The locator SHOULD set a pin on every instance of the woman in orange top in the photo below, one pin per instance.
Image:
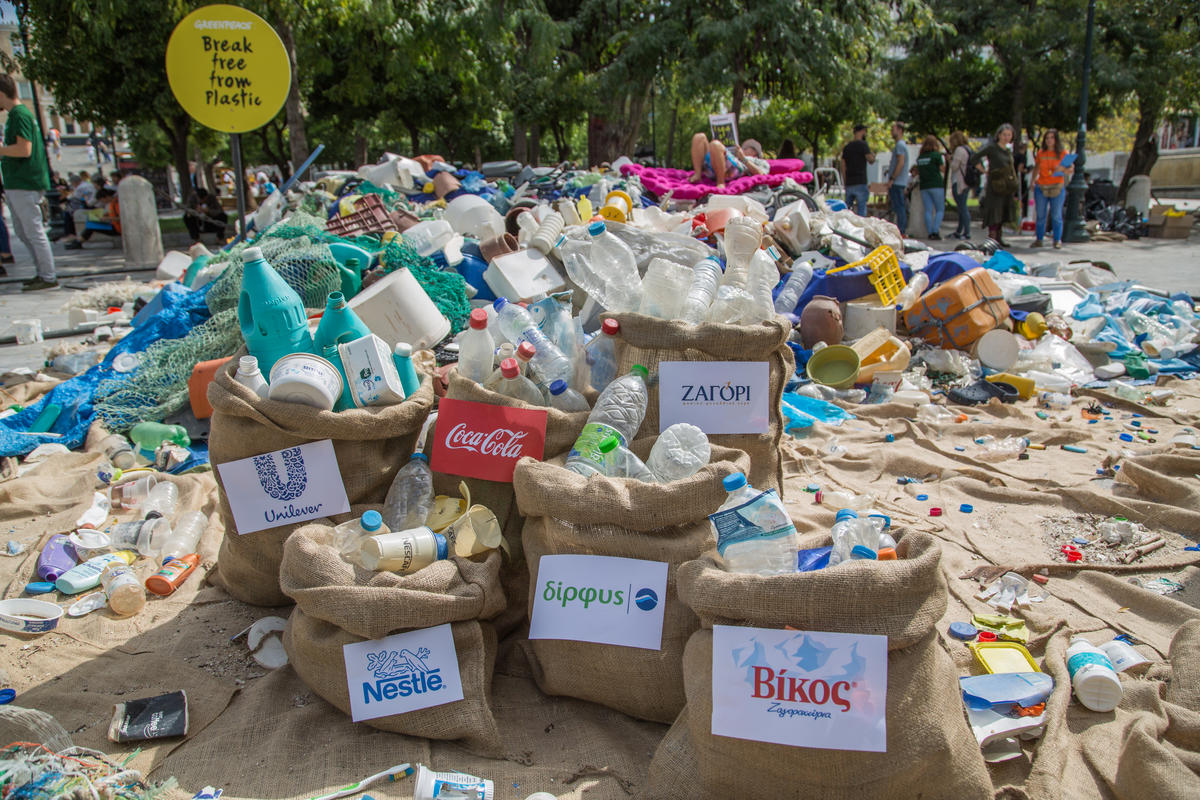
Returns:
(1049, 192)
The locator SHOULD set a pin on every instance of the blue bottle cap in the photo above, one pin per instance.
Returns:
(39, 587)
(443, 550)
(371, 520)
(1126, 437)
(7, 696)
(597, 228)
(963, 630)
(500, 303)
(859, 552)
(966, 508)
(845, 513)
(922, 497)
(420, 456)
(891, 437)
(558, 387)
(813, 487)
(734, 482)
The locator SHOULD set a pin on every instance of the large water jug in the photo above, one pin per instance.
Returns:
(271, 313)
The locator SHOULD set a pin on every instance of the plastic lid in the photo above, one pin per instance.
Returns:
(845, 513)
(526, 351)
(7, 696)
(638, 369)
(609, 443)
(371, 520)
(862, 552)
(610, 326)
(403, 349)
(597, 228)
(443, 550)
(963, 630)
(420, 456)
(479, 319)
(251, 254)
(500, 303)
(558, 387)
(735, 481)
(509, 368)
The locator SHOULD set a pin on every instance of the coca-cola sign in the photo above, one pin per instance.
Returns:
(477, 440)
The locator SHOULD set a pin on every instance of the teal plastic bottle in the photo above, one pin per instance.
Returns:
(402, 357)
(201, 255)
(339, 324)
(271, 313)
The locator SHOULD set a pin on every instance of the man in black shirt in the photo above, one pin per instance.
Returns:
(855, 157)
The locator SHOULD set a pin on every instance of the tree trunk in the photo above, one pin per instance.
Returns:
(414, 139)
(478, 158)
(535, 144)
(1145, 143)
(520, 142)
(671, 132)
(294, 111)
(739, 94)
(360, 149)
(177, 130)
(560, 141)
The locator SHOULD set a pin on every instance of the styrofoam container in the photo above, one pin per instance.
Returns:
(172, 266)
(524, 274)
(305, 378)
(371, 376)
(397, 309)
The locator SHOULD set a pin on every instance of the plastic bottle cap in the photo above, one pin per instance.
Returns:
(922, 497)
(509, 368)
(420, 456)
(608, 444)
(479, 319)
(610, 326)
(845, 513)
(733, 482)
(887, 554)
(862, 552)
(443, 550)
(639, 370)
(1126, 437)
(558, 387)
(597, 228)
(526, 351)
(500, 303)
(963, 630)
(987, 636)
(251, 254)
(403, 349)
(371, 521)
(966, 508)
(935, 512)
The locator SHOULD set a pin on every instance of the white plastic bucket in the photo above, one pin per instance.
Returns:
(397, 309)
(305, 378)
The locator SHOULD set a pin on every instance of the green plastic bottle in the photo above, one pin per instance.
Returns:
(201, 255)
(149, 435)
(270, 313)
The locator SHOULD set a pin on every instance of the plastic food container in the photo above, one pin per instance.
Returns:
(836, 366)
(371, 376)
(307, 379)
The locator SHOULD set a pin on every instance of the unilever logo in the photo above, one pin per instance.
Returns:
(803, 678)
(716, 394)
(400, 673)
(268, 475)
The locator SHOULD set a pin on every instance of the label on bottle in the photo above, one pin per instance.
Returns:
(1080, 660)
(762, 517)
(587, 446)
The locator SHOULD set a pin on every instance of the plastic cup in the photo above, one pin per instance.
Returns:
(133, 494)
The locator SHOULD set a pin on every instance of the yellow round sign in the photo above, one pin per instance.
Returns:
(227, 68)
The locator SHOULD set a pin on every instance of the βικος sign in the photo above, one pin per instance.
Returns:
(402, 673)
(715, 396)
(800, 688)
(600, 599)
(287, 486)
(477, 440)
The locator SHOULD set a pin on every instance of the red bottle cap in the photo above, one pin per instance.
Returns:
(935, 512)
(479, 319)
(526, 351)
(610, 326)
(509, 368)
(987, 636)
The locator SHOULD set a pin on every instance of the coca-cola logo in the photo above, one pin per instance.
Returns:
(501, 442)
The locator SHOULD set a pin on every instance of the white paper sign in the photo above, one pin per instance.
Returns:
(715, 396)
(402, 673)
(283, 487)
(800, 688)
(600, 599)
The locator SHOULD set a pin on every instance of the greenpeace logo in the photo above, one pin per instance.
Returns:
(400, 673)
(501, 442)
(716, 394)
(222, 25)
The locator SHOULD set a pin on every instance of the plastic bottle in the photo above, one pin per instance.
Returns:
(75, 363)
(349, 535)
(410, 496)
(794, 287)
(620, 462)
(201, 255)
(911, 293)
(248, 375)
(503, 353)
(753, 530)
(1000, 449)
(123, 589)
(664, 288)
(55, 559)
(564, 398)
(742, 239)
(1093, 678)
(430, 785)
(173, 573)
(429, 237)
(845, 535)
(1054, 400)
(549, 363)
(184, 537)
(403, 552)
(524, 354)
(1127, 391)
(271, 313)
(339, 324)
(149, 435)
(614, 264)
(680, 452)
(601, 355)
(517, 386)
(936, 416)
(763, 277)
(161, 501)
(118, 451)
(145, 536)
(476, 349)
(402, 357)
(547, 233)
(1048, 381)
(619, 410)
(860, 536)
(87, 575)
(706, 277)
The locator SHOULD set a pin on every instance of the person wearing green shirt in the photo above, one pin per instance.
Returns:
(931, 169)
(26, 178)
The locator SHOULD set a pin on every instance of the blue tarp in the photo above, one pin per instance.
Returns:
(181, 312)
(853, 284)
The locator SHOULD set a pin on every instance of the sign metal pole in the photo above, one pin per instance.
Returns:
(235, 145)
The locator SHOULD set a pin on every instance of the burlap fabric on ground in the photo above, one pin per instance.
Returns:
(338, 604)
(931, 752)
(371, 445)
(648, 341)
(561, 431)
(568, 514)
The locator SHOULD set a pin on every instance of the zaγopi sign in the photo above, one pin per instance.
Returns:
(477, 440)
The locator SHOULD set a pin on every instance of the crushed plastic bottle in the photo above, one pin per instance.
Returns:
(680, 452)
(912, 292)
(410, 496)
(348, 536)
(185, 536)
(753, 530)
(801, 275)
(936, 417)
(619, 411)
(1000, 449)
(1127, 391)
(161, 501)
(706, 277)
(664, 288)
(857, 537)
(1057, 401)
(549, 363)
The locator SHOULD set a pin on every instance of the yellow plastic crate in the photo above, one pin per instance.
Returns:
(886, 276)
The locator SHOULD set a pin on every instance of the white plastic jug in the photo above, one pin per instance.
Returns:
(397, 309)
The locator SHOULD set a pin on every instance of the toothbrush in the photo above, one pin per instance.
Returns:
(401, 770)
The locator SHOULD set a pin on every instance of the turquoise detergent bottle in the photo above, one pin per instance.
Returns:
(339, 324)
(271, 313)
(201, 255)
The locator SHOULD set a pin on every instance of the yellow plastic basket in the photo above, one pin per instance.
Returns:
(886, 276)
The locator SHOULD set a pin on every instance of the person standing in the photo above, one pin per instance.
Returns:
(855, 157)
(26, 178)
(931, 169)
(960, 152)
(1048, 190)
(898, 178)
(997, 205)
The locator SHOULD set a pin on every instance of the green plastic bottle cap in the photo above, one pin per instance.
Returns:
(640, 370)
(609, 444)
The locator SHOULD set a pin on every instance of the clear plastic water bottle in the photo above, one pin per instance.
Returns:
(410, 496)
(248, 375)
(615, 266)
(620, 462)
(706, 277)
(680, 452)
(742, 239)
(601, 355)
(754, 533)
(860, 537)
(1000, 449)
(664, 288)
(550, 363)
(185, 536)
(161, 502)
(564, 398)
(911, 293)
(793, 287)
(619, 411)
(476, 349)
(763, 277)
(515, 385)
(349, 535)
(1054, 400)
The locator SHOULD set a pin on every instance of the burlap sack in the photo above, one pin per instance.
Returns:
(567, 513)
(931, 752)
(647, 341)
(337, 604)
(561, 431)
(371, 445)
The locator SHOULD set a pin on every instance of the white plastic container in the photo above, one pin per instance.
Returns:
(307, 379)
(473, 216)
(403, 552)
(27, 331)
(249, 375)
(476, 348)
(397, 309)
(429, 237)
(547, 233)
(371, 375)
(997, 349)
(1095, 681)
(172, 266)
(1122, 655)
(523, 274)
(432, 785)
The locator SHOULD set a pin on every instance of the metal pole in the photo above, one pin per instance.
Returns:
(1074, 228)
(235, 145)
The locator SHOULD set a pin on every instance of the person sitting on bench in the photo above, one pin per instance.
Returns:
(105, 218)
(205, 215)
